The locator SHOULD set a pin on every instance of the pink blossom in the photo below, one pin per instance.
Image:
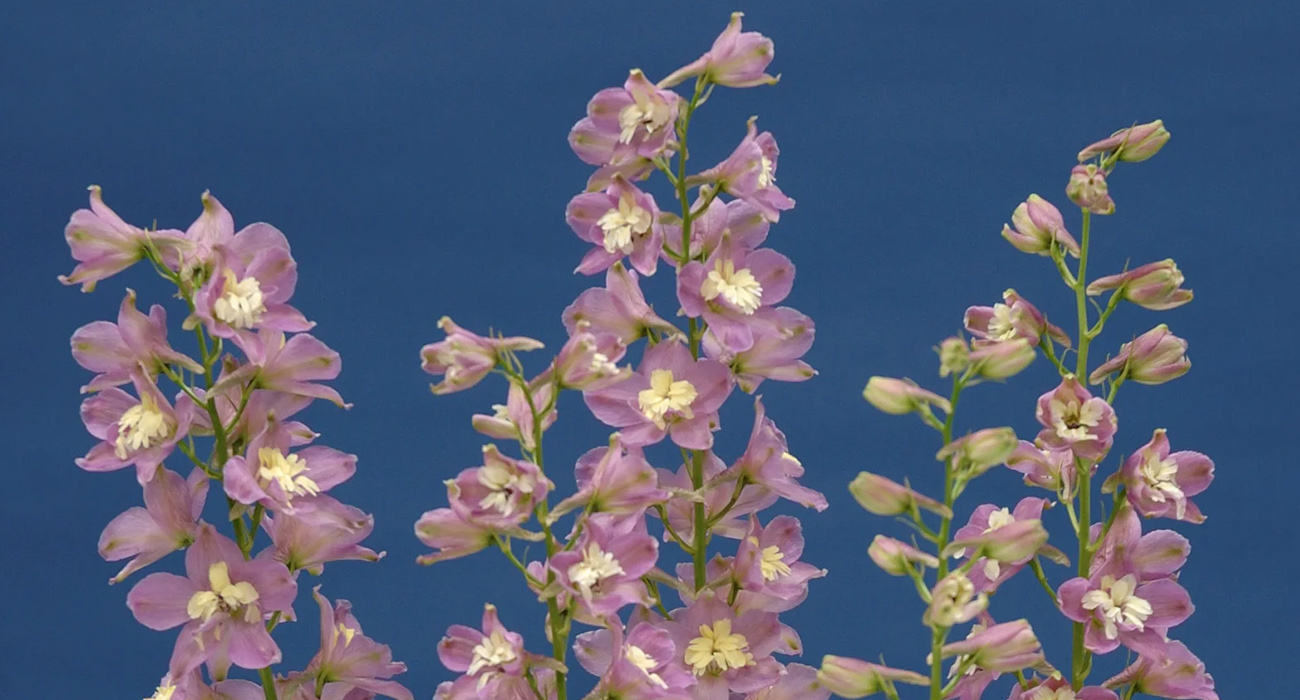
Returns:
(349, 657)
(1049, 469)
(1155, 357)
(115, 350)
(619, 309)
(1132, 145)
(588, 360)
(853, 678)
(492, 656)
(627, 126)
(141, 431)
(717, 494)
(954, 600)
(465, 358)
(671, 393)
(1156, 286)
(1124, 550)
(730, 286)
(979, 451)
(1120, 609)
(737, 59)
(1087, 188)
(741, 221)
(515, 419)
(768, 463)
(749, 174)
(293, 366)
(727, 652)
(603, 571)
(1075, 420)
(768, 567)
(622, 220)
(166, 523)
(1159, 483)
(104, 244)
(1006, 647)
(640, 663)
(500, 494)
(1001, 561)
(1014, 318)
(221, 601)
(329, 531)
(1179, 675)
(1056, 689)
(1039, 226)
(781, 336)
(451, 535)
(613, 479)
(271, 474)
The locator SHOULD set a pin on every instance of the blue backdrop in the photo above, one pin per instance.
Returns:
(415, 155)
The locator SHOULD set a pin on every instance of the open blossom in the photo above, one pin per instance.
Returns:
(613, 479)
(739, 220)
(781, 336)
(1159, 482)
(619, 309)
(501, 493)
(603, 571)
(271, 474)
(451, 535)
(620, 221)
(1179, 675)
(142, 431)
(670, 394)
(1087, 188)
(222, 601)
(639, 663)
(293, 366)
(349, 657)
(954, 600)
(492, 656)
(1125, 550)
(115, 350)
(465, 358)
(717, 494)
(166, 523)
(853, 678)
(737, 59)
(329, 531)
(1053, 470)
(749, 174)
(1059, 689)
(1039, 226)
(729, 287)
(1001, 559)
(515, 419)
(1014, 318)
(1155, 357)
(1075, 420)
(1157, 286)
(625, 128)
(588, 360)
(1118, 609)
(1132, 145)
(768, 463)
(768, 567)
(726, 651)
(104, 245)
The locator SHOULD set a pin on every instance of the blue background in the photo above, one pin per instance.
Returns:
(415, 156)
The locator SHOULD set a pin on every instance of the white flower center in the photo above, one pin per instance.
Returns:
(141, 426)
(1161, 476)
(223, 596)
(637, 657)
(644, 113)
(596, 565)
(718, 648)
(1072, 420)
(164, 692)
(998, 518)
(736, 286)
(285, 471)
(1002, 324)
(666, 397)
(504, 488)
(1045, 693)
(494, 650)
(241, 306)
(1118, 604)
(601, 365)
(765, 175)
(771, 563)
(622, 223)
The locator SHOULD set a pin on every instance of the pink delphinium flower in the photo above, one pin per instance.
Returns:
(798, 682)
(115, 350)
(737, 59)
(1075, 420)
(1159, 483)
(221, 601)
(625, 128)
(293, 366)
(990, 573)
(514, 420)
(780, 337)
(588, 361)
(329, 531)
(1039, 226)
(671, 393)
(640, 663)
(492, 656)
(603, 571)
(1087, 188)
(727, 652)
(1013, 318)
(141, 431)
(749, 174)
(768, 567)
(465, 358)
(167, 522)
(1132, 145)
(104, 244)
(1117, 608)
(1058, 689)
(619, 309)
(1180, 675)
(1156, 286)
(349, 657)
(621, 221)
(271, 474)
(501, 493)
(613, 479)
(1053, 470)
(768, 463)
(1006, 647)
(730, 286)
(717, 494)
(741, 221)
(451, 535)
(1125, 549)
(1155, 357)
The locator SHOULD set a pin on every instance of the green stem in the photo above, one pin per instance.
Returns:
(1079, 657)
(1042, 578)
(940, 634)
(268, 683)
(700, 528)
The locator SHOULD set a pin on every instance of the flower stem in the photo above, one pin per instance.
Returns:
(945, 526)
(1080, 659)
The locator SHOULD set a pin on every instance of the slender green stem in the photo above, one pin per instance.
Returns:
(268, 682)
(1042, 578)
(700, 527)
(1080, 658)
(940, 634)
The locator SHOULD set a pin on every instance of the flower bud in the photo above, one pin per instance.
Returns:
(1132, 145)
(1013, 543)
(1004, 648)
(954, 601)
(587, 360)
(737, 59)
(1038, 223)
(982, 449)
(1154, 357)
(884, 497)
(954, 356)
(1003, 360)
(1156, 286)
(894, 557)
(1087, 188)
(900, 397)
(852, 678)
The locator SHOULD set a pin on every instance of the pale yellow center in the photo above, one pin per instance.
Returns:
(241, 305)
(223, 596)
(666, 396)
(285, 471)
(504, 488)
(141, 426)
(1117, 603)
(595, 566)
(718, 649)
(765, 175)
(622, 224)
(738, 287)
(1002, 323)
(637, 657)
(997, 519)
(494, 650)
(164, 692)
(1045, 693)
(1160, 476)
(1072, 419)
(644, 113)
(347, 633)
(771, 563)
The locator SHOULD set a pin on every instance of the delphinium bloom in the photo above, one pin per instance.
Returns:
(1039, 227)
(1156, 286)
(1154, 357)
(1159, 482)
(727, 653)
(139, 430)
(618, 309)
(271, 474)
(329, 531)
(620, 221)
(637, 663)
(989, 573)
(1075, 420)
(136, 342)
(613, 479)
(781, 336)
(166, 523)
(768, 567)
(1013, 318)
(350, 659)
(736, 59)
(465, 358)
(730, 286)
(767, 462)
(492, 658)
(603, 570)
(749, 174)
(1179, 675)
(625, 129)
(104, 244)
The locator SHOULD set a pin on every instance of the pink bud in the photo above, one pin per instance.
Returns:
(895, 557)
(1004, 648)
(1132, 145)
(981, 450)
(1182, 675)
(737, 59)
(1038, 223)
(1156, 286)
(884, 497)
(852, 678)
(1016, 542)
(1155, 357)
(587, 360)
(1003, 360)
(1087, 188)
(900, 397)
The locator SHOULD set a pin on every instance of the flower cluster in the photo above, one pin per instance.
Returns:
(1126, 591)
(251, 371)
(724, 638)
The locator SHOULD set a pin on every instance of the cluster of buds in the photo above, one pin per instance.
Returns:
(256, 369)
(1126, 591)
(706, 624)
